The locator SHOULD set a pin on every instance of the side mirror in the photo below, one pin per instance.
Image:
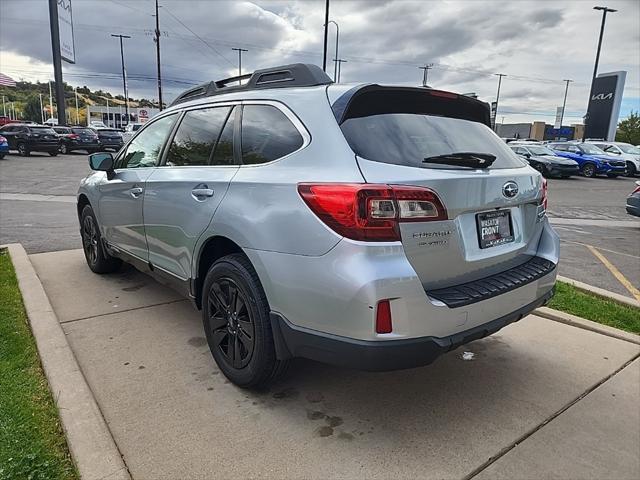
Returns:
(102, 161)
(527, 155)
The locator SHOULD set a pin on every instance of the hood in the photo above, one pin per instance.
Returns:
(554, 159)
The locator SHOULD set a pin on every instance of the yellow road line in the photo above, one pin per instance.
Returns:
(615, 272)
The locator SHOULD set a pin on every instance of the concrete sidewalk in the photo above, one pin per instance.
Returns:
(540, 399)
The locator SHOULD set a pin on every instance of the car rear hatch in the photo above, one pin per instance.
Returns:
(43, 136)
(487, 218)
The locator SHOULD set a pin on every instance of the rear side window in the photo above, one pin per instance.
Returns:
(83, 131)
(42, 130)
(197, 134)
(408, 138)
(267, 134)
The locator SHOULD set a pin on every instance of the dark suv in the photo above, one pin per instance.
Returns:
(77, 138)
(31, 138)
(109, 139)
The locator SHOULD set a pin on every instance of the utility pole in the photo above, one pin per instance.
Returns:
(339, 62)
(124, 75)
(326, 33)
(108, 122)
(425, 73)
(50, 101)
(75, 90)
(4, 108)
(41, 109)
(157, 40)
(57, 60)
(240, 50)
(564, 103)
(605, 10)
(500, 75)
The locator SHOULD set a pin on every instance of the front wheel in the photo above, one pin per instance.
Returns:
(98, 259)
(23, 150)
(589, 170)
(53, 154)
(631, 169)
(235, 314)
(63, 149)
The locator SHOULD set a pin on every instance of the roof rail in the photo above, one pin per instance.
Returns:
(294, 75)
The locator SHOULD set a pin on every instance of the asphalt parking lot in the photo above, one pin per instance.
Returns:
(37, 209)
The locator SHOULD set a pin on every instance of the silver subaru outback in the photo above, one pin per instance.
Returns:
(373, 227)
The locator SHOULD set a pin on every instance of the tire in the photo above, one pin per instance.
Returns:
(612, 175)
(63, 149)
(632, 171)
(541, 168)
(240, 338)
(23, 150)
(589, 170)
(1, 156)
(53, 154)
(97, 258)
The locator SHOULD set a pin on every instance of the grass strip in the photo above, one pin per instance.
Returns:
(569, 299)
(32, 444)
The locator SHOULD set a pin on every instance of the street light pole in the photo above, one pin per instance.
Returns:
(564, 103)
(605, 10)
(75, 90)
(157, 40)
(50, 101)
(57, 60)
(495, 115)
(335, 63)
(124, 76)
(339, 62)
(41, 109)
(240, 50)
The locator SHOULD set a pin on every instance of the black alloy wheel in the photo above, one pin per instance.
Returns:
(90, 239)
(23, 150)
(231, 323)
(63, 148)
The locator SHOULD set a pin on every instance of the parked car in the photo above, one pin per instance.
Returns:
(77, 138)
(624, 151)
(374, 227)
(97, 124)
(633, 201)
(545, 160)
(27, 138)
(4, 147)
(130, 131)
(109, 139)
(51, 122)
(591, 159)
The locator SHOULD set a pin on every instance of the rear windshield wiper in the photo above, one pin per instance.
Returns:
(463, 159)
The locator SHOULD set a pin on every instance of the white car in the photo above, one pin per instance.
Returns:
(130, 131)
(624, 151)
(96, 124)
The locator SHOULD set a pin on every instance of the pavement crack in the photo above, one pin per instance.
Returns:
(91, 317)
(549, 419)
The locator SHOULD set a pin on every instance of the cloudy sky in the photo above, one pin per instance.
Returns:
(537, 44)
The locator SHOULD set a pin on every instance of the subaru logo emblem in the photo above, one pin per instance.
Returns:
(510, 189)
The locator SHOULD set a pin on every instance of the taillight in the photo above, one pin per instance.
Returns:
(74, 136)
(544, 193)
(637, 190)
(371, 212)
(383, 317)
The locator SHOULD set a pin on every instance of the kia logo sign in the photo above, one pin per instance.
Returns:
(603, 96)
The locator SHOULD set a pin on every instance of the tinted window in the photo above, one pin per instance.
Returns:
(408, 138)
(223, 154)
(145, 149)
(196, 137)
(590, 149)
(62, 131)
(83, 131)
(267, 134)
(572, 149)
(42, 130)
(562, 148)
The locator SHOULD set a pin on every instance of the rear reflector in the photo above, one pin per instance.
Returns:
(371, 212)
(383, 317)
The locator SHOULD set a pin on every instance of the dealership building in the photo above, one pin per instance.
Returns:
(539, 131)
(116, 117)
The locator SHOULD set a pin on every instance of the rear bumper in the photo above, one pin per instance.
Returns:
(562, 170)
(43, 147)
(292, 341)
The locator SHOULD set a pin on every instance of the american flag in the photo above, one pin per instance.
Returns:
(6, 81)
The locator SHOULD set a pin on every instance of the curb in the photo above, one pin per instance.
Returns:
(568, 319)
(601, 292)
(90, 442)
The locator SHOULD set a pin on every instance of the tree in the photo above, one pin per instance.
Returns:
(629, 129)
(31, 109)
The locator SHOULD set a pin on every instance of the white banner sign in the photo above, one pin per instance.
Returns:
(559, 116)
(65, 26)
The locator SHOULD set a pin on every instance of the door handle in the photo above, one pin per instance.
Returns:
(202, 192)
(136, 192)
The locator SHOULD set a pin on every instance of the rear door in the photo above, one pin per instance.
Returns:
(492, 213)
(183, 194)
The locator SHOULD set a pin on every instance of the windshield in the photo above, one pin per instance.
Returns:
(540, 150)
(591, 149)
(43, 130)
(83, 131)
(408, 138)
(626, 148)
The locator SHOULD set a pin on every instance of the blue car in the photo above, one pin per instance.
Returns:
(4, 146)
(591, 160)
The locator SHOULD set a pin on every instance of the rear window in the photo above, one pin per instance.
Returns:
(43, 130)
(408, 138)
(83, 131)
